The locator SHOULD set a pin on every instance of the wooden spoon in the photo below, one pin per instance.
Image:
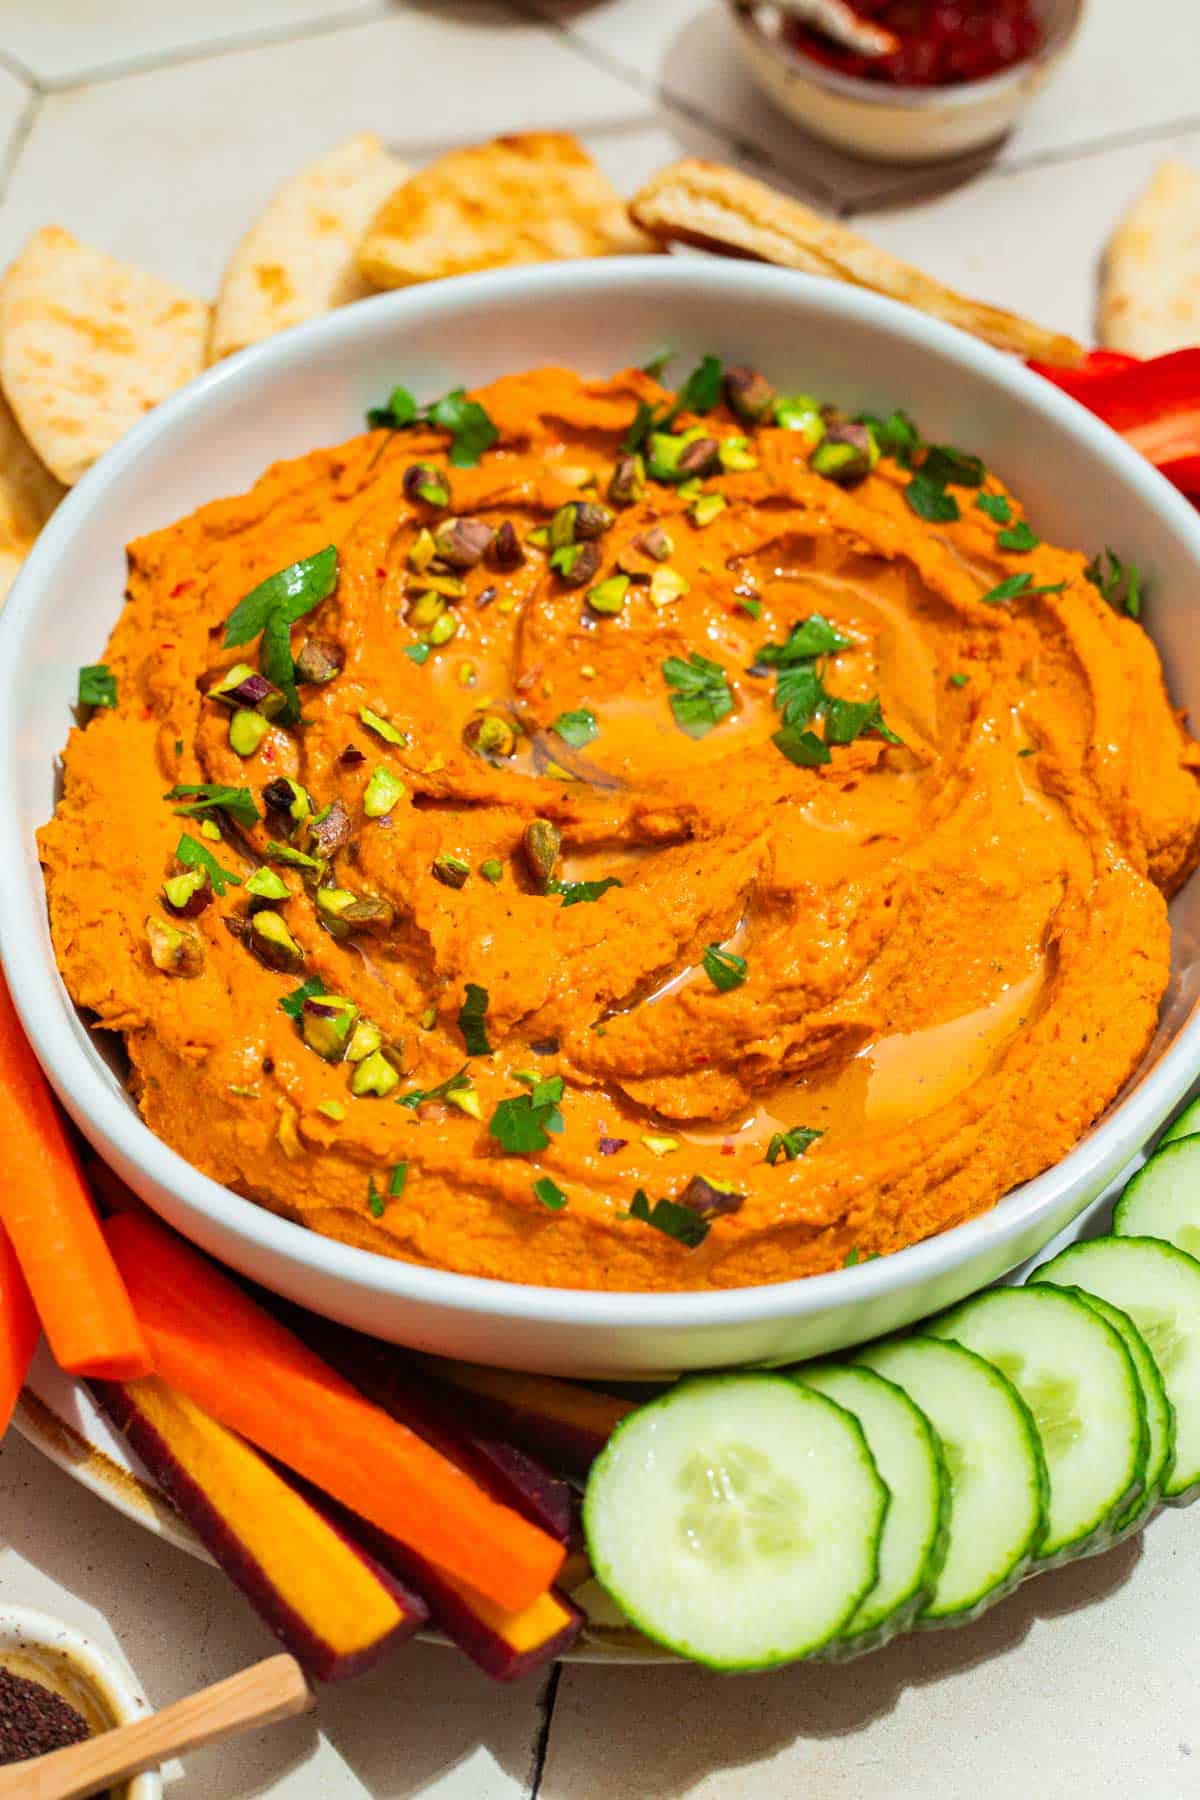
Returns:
(261, 1695)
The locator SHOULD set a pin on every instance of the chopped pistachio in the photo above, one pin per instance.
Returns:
(467, 1101)
(562, 527)
(449, 587)
(701, 456)
(628, 483)
(331, 830)
(210, 831)
(425, 611)
(383, 791)
(706, 508)
(846, 455)
(656, 543)
(451, 871)
(331, 904)
(382, 727)
(182, 892)
(422, 481)
(421, 551)
(428, 1018)
(467, 676)
(667, 586)
(365, 1039)
(661, 1146)
(174, 950)
(609, 596)
(736, 455)
(539, 537)
(266, 888)
(575, 564)
(374, 1075)
(443, 629)
(286, 1134)
(463, 543)
(333, 1109)
(487, 734)
(326, 1021)
(287, 796)
(542, 842)
(491, 869)
(506, 551)
(576, 475)
(273, 943)
(588, 671)
(293, 858)
(800, 412)
(691, 490)
(749, 394)
(591, 520)
(245, 687)
(247, 731)
(370, 912)
(319, 661)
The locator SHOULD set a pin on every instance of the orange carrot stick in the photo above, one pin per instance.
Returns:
(213, 1343)
(19, 1330)
(47, 1212)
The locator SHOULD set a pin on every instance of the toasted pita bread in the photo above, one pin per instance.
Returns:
(1150, 291)
(704, 203)
(89, 344)
(298, 259)
(28, 495)
(535, 197)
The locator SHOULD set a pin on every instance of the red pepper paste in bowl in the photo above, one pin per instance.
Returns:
(940, 42)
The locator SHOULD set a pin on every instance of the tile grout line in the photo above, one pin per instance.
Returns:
(19, 139)
(541, 1743)
(153, 62)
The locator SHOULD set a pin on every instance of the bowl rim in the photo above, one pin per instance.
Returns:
(902, 97)
(84, 1083)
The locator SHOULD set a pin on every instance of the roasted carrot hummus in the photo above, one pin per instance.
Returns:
(588, 836)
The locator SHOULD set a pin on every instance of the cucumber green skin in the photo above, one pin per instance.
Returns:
(731, 1667)
(1187, 1124)
(1024, 1563)
(1102, 1534)
(852, 1644)
(1182, 1496)
(1124, 1221)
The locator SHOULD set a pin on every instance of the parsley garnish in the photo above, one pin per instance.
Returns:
(397, 1180)
(418, 653)
(801, 695)
(959, 681)
(97, 685)
(930, 501)
(521, 1123)
(854, 1255)
(723, 968)
(896, 435)
(208, 796)
(401, 410)
(577, 728)
(193, 855)
(374, 1198)
(750, 606)
(453, 1084)
(550, 1194)
(293, 1004)
(804, 748)
(1119, 582)
(996, 506)
(639, 430)
(272, 608)
(810, 637)
(470, 1021)
(575, 892)
(471, 430)
(1018, 537)
(846, 720)
(701, 697)
(702, 389)
(1018, 587)
(791, 1144)
(673, 1220)
(654, 365)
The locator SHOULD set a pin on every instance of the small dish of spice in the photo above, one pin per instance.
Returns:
(904, 80)
(57, 1688)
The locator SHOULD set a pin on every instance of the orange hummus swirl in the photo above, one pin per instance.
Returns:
(947, 951)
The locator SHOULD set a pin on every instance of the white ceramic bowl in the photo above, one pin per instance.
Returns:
(887, 123)
(50, 1650)
(311, 386)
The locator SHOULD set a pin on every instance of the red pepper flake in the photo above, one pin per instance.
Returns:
(381, 574)
(181, 587)
(609, 1146)
(268, 754)
(351, 756)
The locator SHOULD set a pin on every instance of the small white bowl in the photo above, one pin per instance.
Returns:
(886, 123)
(51, 1651)
(1082, 485)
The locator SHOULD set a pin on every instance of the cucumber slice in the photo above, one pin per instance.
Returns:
(1159, 1287)
(1163, 1198)
(994, 1461)
(1077, 1379)
(737, 1519)
(1160, 1417)
(1187, 1124)
(909, 1458)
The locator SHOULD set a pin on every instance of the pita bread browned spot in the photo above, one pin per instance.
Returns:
(299, 258)
(88, 345)
(1150, 292)
(718, 208)
(535, 197)
(28, 495)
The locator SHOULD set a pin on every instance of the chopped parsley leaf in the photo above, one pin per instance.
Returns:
(418, 653)
(804, 748)
(723, 968)
(897, 436)
(550, 1194)
(996, 506)
(293, 1004)
(193, 855)
(654, 365)
(810, 637)
(854, 1255)
(520, 1124)
(1119, 582)
(453, 1084)
(673, 1220)
(471, 430)
(374, 1199)
(575, 892)
(929, 500)
(206, 796)
(959, 681)
(749, 605)
(702, 389)
(97, 685)
(577, 728)
(791, 1144)
(1018, 537)
(401, 410)
(470, 1021)
(397, 1179)
(639, 430)
(701, 696)
(946, 467)
(1018, 587)
(846, 720)
(272, 608)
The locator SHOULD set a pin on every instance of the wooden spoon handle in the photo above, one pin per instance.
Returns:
(270, 1690)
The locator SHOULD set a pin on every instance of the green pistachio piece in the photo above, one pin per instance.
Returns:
(426, 610)
(667, 586)
(331, 904)
(492, 869)
(736, 455)
(442, 630)
(326, 1021)
(467, 1101)
(266, 888)
(846, 455)
(706, 508)
(382, 727)
(173, 949)
(365, 1039)
(451, 871)
(542, 842)
(628, 483)
(293, 858)
(181, 891)
(374, 1075)
(487, 734)
(421, 551)
(383, 791)
(609, 596)
(247, 731)
(562, 527)
(273, 943)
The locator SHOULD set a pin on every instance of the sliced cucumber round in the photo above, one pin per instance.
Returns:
(1160, 1417)
(1077, 1379)
(1187, 1124)
(1159, 1287)
(1163, 1198)
(909, 1458)
(737, 1519)
(994, 1462)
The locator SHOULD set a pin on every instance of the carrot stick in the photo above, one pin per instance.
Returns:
(19, 1330)
(213, 1343)
(47, 1211)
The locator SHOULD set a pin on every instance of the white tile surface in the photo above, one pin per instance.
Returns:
(15, 100)
(68, 39)
(424, 1722)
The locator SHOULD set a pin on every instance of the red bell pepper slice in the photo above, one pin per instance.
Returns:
(1154, 405)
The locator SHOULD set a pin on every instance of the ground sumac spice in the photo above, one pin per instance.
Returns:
(34, 1719)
